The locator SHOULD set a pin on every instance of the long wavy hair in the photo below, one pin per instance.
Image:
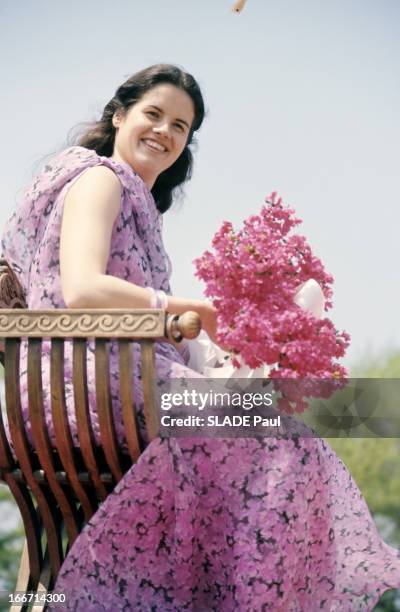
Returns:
(101, 135)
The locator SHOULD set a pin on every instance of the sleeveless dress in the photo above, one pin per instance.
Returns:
(197, 524)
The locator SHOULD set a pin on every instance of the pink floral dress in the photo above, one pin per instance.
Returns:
(197, 524)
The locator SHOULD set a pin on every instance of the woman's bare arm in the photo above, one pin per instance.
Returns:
(90, 210)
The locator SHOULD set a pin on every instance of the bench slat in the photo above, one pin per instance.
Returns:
(47, 500)
(61, 428)
(148, 378)
(23, 456)
(128, 407)
(83, 423)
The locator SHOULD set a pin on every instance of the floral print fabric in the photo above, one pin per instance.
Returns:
(197, 524)
(31, 243)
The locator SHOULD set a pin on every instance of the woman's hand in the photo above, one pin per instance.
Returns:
(208, 318)
(205, 310)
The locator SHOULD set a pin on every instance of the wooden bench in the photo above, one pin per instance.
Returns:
(58, 489)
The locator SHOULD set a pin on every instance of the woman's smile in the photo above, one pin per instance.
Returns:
(154, 145)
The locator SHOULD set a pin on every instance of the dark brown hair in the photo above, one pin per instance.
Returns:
(100, 136)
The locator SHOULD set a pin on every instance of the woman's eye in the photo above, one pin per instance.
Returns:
(179, 126)
(152, 113)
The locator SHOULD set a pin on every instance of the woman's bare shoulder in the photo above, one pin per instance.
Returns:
(99, 176)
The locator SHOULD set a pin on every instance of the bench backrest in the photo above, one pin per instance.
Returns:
(58, 489)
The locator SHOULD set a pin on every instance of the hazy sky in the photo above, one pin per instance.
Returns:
(303, 97)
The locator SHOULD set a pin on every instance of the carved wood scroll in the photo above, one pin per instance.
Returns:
(11, 292)
(110, 323)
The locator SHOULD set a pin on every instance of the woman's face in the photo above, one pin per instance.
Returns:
(152, 134)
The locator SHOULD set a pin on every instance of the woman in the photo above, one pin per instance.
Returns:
(197, 524)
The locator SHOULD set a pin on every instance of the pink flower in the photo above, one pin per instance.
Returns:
(251, 276)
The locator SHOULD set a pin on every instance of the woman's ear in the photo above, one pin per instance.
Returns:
(116, 120)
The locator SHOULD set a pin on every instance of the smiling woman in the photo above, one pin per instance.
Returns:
(196, 524)
(150, 136)
(153, 87)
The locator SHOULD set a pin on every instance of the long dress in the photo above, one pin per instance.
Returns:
(198, 524)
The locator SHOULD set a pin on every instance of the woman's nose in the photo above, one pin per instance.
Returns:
(162, 129)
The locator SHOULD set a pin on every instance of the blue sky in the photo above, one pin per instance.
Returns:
(302, 98)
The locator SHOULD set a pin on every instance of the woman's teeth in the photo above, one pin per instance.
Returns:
(154, 145)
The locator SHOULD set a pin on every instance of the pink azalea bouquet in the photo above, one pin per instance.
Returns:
(252, 277)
